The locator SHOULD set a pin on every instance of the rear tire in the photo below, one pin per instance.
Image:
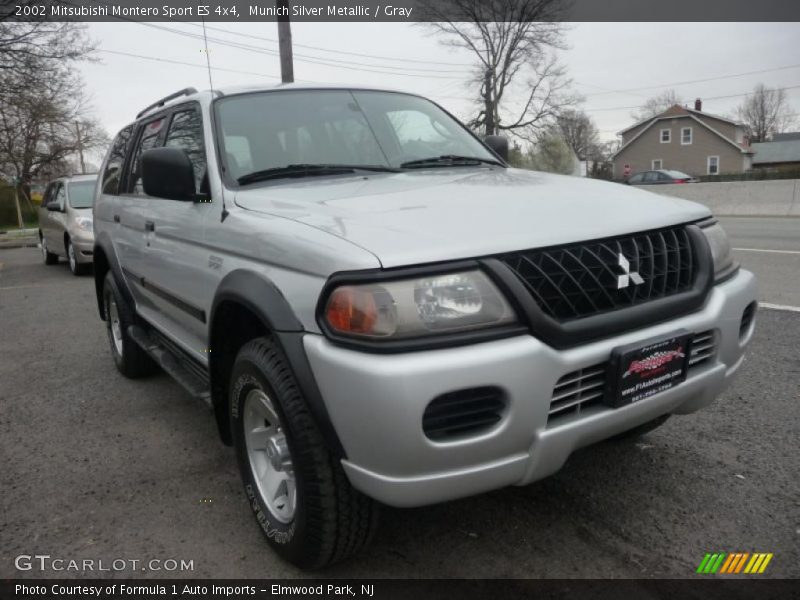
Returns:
(131, 360)
(317, 518)
(637, 432)
(49, 257)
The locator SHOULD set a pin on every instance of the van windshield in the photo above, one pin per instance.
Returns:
(81, 193)
(298, 129)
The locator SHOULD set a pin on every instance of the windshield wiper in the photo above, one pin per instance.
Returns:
(308, 170)
(450, 160)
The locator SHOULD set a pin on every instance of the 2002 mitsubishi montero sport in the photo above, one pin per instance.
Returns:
(378, 308)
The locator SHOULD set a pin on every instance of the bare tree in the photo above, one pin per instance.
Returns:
(579, 132)
(513, 42)
(44, 112)
(656, 105)
(38, 49)
(765, 112)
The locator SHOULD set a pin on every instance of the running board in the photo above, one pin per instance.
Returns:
(175, 362)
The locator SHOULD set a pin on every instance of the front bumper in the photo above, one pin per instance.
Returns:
(376, 403)
(84, 247)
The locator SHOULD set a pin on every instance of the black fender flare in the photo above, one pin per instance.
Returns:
(104, 245)
(262, 297)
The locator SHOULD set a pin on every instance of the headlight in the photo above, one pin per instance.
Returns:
(417, 307)
(84, 223)
(720, 250)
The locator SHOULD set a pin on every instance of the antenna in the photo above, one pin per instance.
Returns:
(208, 57)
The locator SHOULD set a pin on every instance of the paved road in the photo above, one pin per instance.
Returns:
(97, 466)
(770, 247)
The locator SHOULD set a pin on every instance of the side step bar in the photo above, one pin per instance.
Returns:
(175, 362)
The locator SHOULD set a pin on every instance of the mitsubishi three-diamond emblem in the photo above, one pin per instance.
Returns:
(625, 279)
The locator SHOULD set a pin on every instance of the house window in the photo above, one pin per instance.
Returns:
(657, 164)
(713, 165)
(666, 136)
(686, 136)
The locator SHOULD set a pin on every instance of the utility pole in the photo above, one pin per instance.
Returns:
(16, 201)
(285, 41)
(489, 109)
(80, 147)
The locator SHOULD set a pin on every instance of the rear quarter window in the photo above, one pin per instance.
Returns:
(116, 161)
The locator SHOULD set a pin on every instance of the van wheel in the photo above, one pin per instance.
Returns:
(49, 257)
(637, 432)
(74, 266)
(301, 497)
(131, 360)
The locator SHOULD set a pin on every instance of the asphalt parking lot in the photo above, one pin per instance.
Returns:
(95, 466)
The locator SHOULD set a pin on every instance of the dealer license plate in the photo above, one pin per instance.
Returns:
(640, 370)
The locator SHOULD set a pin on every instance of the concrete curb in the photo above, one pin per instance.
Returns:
(18, 241)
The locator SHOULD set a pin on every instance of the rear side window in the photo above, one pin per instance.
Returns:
(116, 161)
(186, 132)
(636, 178)
(650, 177)
(150, 138)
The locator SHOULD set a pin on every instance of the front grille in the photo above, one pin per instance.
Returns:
(703, 348)
(464, 412)
(579, 390)
(584, 279)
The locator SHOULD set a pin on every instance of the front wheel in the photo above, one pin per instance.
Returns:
(49, 257)
(301, 498)
(131, 360)
(74, 266)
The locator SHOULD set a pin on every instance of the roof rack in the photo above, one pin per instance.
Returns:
(184, 92)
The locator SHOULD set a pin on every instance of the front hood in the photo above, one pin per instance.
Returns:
(435, 215)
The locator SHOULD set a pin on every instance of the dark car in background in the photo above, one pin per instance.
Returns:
(660, 176)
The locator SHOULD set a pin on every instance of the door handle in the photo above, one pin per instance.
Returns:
(116, 218)
(149, 226)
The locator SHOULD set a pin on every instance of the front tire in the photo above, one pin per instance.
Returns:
(299, 494)
(77, 268)
(49, 257)
(131, 360)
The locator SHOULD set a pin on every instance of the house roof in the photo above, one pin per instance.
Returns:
(744, 149)
(777, 152)
(785, 137)
(676, 110)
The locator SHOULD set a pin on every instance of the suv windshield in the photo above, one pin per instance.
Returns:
(266, 131)
(81, 194)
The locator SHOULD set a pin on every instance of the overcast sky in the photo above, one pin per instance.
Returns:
(604, 60)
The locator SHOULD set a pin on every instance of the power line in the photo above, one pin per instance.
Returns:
(356, 66)
(344, 52)
(665, 85)
(791, 87)
(185, 64)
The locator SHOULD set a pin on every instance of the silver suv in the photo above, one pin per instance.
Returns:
(65, 222)
(378, 308)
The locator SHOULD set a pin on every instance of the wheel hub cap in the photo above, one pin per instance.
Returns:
(269, 456)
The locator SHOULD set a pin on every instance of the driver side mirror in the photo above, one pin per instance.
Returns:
(168, 173)
(53, 206)
(499, 144)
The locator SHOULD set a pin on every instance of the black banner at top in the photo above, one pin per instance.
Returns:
(331, 11)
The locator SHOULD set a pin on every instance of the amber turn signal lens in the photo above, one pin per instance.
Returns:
(352, 310)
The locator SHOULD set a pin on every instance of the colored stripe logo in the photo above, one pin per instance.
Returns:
(734, 563)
